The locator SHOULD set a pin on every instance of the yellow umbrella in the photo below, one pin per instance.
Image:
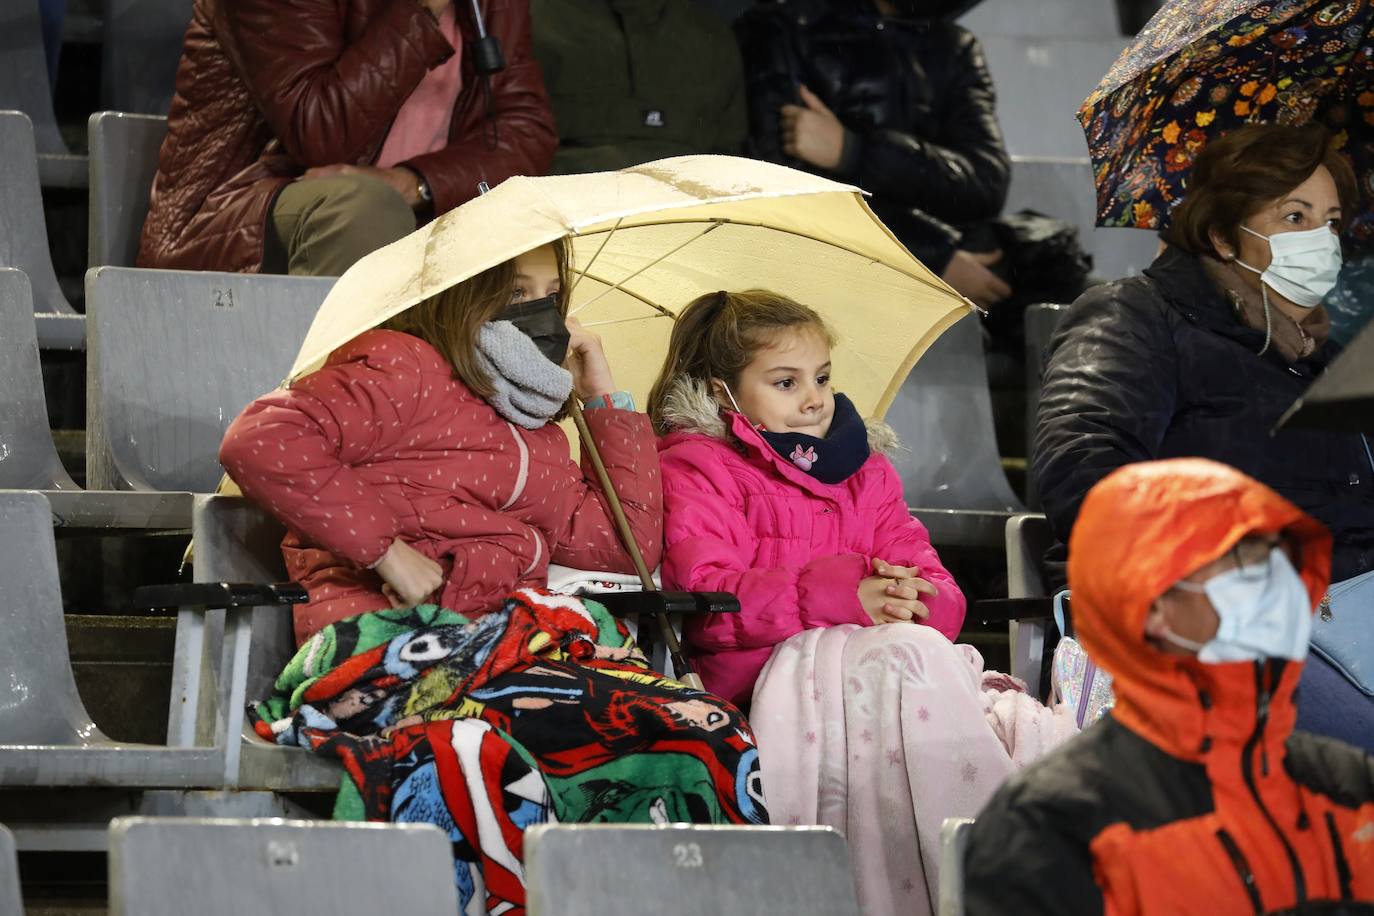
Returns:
(648, 240)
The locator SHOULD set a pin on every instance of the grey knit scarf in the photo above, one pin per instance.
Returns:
(529, 388)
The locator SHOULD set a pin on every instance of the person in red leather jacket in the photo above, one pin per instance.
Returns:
(303, 136)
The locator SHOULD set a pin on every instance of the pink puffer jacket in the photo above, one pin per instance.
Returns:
(384, 442)
(739, 518)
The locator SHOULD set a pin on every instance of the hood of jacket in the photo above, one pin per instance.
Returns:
(689, 407)
(1140, 530)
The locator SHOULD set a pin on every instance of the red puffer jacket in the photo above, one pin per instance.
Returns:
(266, 90)
(383, 442)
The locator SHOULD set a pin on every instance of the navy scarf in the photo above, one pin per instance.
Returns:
(833, 459)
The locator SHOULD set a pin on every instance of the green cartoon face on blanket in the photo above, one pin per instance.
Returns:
(639, 789)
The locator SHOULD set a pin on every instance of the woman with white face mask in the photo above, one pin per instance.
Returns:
(1202, 354)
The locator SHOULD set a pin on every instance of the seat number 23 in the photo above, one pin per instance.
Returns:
(687, 855)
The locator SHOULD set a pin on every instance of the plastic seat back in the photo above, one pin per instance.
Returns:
(173, 357)
(1040, 84)
(141, 49)
(24, 72)
(1045, 18)
(10, 902)
(41, 704)
(1064, 188)
(23, 231)
(124, 151)
(943, 415)
(169, 866)
(687, 870)
(28, 459)
(953, 845)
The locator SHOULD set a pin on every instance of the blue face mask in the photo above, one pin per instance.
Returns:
(1265, 611)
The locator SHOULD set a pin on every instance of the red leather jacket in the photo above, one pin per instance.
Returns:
(266, 90)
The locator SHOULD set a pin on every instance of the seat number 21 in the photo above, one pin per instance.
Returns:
(687, 855)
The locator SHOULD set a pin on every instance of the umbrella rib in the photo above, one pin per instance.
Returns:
(715, 224)
(629, 292)
(718, 222)
(582, 273)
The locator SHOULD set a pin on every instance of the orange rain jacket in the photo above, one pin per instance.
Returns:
(1194, 795)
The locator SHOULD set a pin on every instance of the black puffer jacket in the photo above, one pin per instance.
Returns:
(914, 96)
(1159, 366)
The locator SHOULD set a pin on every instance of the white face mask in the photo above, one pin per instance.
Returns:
(1265, 611)
(1302, 266)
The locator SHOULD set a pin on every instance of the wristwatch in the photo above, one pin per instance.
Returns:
(423, 190)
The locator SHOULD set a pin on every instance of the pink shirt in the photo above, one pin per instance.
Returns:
(421, 126)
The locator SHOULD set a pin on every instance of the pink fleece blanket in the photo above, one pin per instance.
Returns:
(882, 733)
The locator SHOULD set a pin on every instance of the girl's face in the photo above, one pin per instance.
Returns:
(536, 275)
(786, 388)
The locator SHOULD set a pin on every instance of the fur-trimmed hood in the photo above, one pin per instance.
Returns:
(689, 407)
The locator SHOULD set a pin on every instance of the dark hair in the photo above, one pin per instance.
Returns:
(1236, 176)
(450, 320)
(717, 335)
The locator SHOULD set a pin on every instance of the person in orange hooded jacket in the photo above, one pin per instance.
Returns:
(1193, 586)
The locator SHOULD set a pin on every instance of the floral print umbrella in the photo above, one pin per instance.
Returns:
(1203, 67)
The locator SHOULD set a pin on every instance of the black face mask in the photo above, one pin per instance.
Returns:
(541, 322)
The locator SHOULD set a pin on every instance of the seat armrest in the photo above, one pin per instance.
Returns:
(215, 595)
(625, 604)
(1004, 610)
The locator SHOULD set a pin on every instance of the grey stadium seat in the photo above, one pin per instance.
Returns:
(953, 845)
(28, 459)
(687, 870)
(236, 541)
(10, 902)
(164, 866)
(173, 357)
(24, 234)
(27, 456)
(124, 151)
(950, 469)
(1064, 188)
(47, 738)
(24, 87)
(141, 48)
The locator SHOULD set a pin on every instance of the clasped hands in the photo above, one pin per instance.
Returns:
(893, 593)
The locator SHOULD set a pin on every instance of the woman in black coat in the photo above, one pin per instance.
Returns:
(1204, 353)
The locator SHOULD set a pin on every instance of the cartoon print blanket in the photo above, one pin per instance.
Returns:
(539, 712)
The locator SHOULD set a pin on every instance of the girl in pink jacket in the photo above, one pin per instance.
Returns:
(778, 491)
(868, 718)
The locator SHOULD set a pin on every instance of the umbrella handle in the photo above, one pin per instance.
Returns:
(622, 526)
